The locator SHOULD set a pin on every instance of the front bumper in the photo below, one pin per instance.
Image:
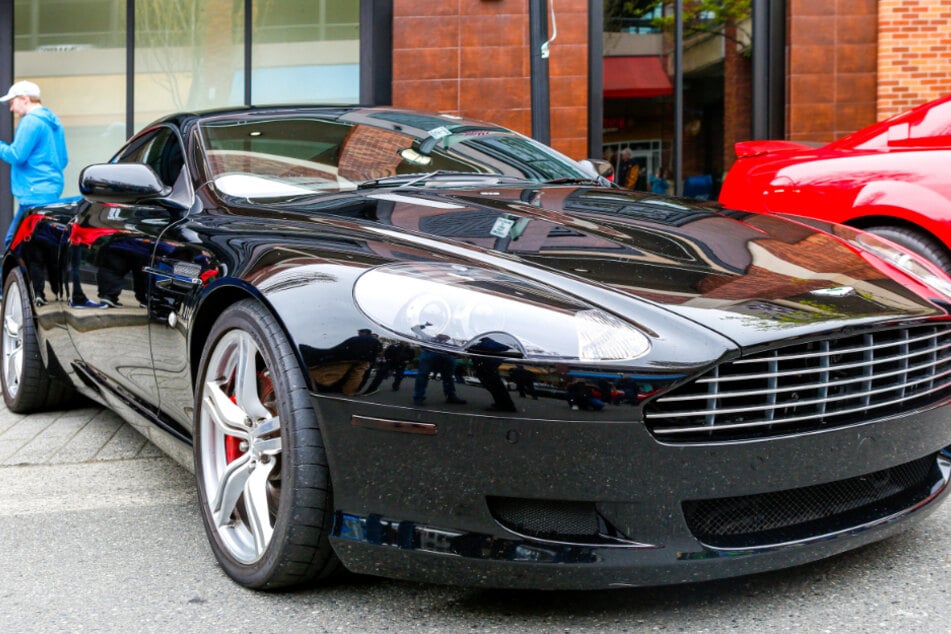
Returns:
(433, 495)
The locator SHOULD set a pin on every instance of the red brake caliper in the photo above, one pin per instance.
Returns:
(233, 443)
(233, 449)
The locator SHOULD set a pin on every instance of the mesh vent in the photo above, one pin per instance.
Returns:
(814, 385)
(548, 519)
(796, 514)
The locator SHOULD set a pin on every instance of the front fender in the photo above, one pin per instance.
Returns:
(312, 298)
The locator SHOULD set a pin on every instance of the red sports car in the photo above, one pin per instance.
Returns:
(892, 178)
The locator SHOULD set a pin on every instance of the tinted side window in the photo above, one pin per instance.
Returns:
(160, 150)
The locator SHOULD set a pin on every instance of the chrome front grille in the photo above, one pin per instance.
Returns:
(814, 385)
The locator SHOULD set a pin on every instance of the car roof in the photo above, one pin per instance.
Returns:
(382, 116)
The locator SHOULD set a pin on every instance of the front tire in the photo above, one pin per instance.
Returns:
(27, 386)
(261, 470)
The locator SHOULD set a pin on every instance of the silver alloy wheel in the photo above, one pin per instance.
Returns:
(13, 340)
(240, 447)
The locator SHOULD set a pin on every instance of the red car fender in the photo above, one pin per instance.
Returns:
(908, 201)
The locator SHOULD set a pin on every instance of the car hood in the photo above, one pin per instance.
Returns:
(741, 274)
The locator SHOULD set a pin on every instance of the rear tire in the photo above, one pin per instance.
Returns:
(261, 470)
(917, 241)
(27, 386)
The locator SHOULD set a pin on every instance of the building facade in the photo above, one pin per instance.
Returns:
(855, 62)
(108, 67)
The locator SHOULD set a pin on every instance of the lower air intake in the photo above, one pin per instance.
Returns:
(798, 514)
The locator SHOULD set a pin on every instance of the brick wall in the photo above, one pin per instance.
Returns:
(914, 62)
(832, 53)
(471, 58)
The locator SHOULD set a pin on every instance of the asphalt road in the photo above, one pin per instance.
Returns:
(101, 533)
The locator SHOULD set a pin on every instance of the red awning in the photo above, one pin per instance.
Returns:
(635, 77)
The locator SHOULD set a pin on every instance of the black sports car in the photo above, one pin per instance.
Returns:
(431, 348)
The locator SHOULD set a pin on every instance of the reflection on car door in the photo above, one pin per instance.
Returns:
(107, 260)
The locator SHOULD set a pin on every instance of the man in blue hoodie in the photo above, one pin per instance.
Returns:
(37, 156)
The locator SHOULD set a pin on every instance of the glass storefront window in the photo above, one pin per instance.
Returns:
(189, 55)
(55, 24)
(306, 51)
(75, 51)
(307, 21)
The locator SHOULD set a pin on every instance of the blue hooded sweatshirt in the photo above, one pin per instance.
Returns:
(37, 158)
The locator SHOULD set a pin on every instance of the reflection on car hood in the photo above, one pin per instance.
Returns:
(734, 271)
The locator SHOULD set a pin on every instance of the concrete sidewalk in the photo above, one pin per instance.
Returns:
(87, 434)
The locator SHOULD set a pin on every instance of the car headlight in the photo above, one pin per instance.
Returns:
(913, 265)
(459, 307)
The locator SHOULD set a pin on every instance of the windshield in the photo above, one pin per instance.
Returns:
(293, 156)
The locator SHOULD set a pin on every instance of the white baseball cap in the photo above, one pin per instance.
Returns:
(21, 89)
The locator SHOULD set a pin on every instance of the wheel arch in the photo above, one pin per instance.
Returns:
(211, 307)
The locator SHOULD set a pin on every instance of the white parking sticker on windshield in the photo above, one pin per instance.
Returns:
(502, 227)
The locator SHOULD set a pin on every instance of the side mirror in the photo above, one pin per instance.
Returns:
(122, 183)
(600, 169)
(603, 168)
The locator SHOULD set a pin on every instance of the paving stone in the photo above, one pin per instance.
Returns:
(7, 418)
(88, 441)
(28, 427)
(125, 443)
(86, 434)
(9, 450)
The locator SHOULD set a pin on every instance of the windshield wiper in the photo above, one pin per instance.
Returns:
(569, 180)
(448, 176)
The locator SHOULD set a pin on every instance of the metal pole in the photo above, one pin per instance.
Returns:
(129, 68)
(538, 35)
(6, 121)
(678, 97)
(376, 52)
(777, 70)
(595, 78)
(760, 119)
(248, 46)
